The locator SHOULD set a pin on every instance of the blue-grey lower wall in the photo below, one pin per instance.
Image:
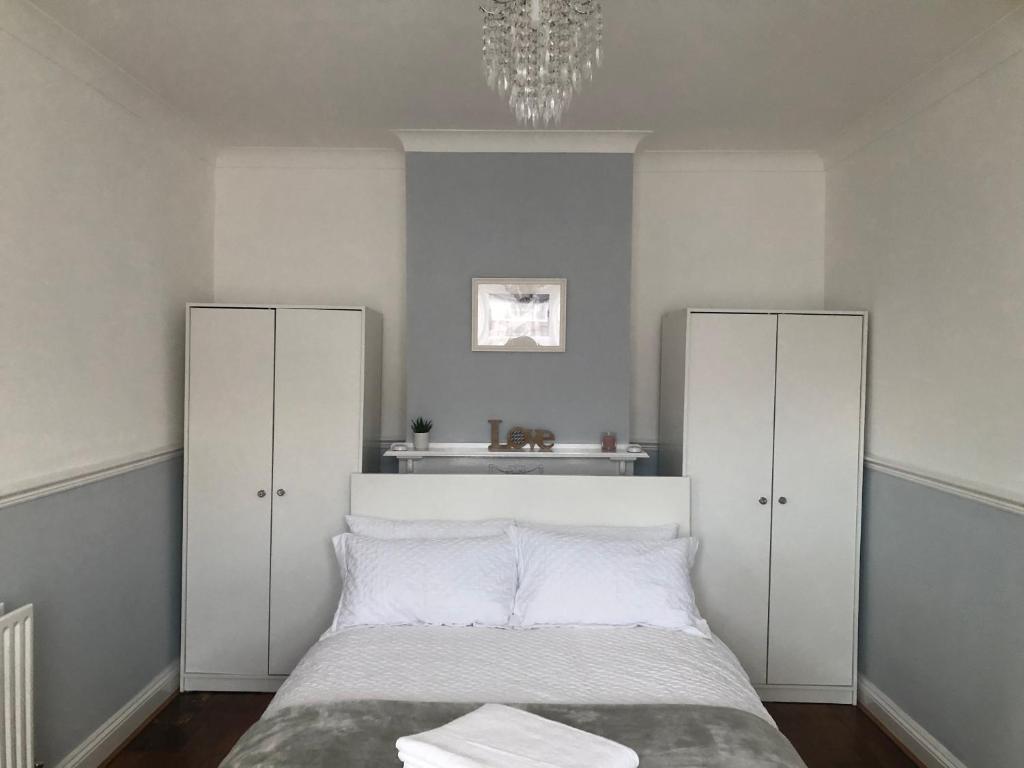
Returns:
(519, 215)
(942, 616)
(102, 564)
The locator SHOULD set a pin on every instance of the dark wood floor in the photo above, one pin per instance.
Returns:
(196, 730)
(836, 736)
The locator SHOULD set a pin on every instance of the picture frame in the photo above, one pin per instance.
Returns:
(514, 314)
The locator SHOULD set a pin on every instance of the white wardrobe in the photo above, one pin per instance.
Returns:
(282, 404)
(764, 411)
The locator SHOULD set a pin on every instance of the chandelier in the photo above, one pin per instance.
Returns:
(538, 53)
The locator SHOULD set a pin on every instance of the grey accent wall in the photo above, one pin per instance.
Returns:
(102, 564)
(519, 215)
(942, 615)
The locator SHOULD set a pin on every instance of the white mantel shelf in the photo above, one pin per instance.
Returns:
(408, 458)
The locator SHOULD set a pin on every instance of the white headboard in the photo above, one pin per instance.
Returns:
(563, 499)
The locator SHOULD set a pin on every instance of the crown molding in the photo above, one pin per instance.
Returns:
(311, 158)
(984, 52)
(31, 27)
(594, 142)
(682, 161)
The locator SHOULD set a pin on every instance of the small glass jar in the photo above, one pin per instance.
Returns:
(608, 442)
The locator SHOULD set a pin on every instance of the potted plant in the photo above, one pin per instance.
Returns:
(421, 433)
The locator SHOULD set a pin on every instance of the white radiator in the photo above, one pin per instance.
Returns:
(16, 734)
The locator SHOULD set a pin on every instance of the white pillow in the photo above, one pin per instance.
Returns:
(384, 528)
(634, 532)
(458, 582)
(571, 579)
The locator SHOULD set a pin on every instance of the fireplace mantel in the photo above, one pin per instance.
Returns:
(473, 458)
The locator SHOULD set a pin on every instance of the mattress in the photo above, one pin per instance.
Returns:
(553, 665)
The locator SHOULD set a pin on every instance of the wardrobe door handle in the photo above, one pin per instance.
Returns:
(261, 493)
(782, 499)
(280, 491)
(763, 500)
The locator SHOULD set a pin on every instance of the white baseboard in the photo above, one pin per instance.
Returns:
(109, 737)
(907, 731)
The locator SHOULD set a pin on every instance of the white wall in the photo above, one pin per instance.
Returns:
(318, 227)
(105, 233)
(719, 230)
(925, 228)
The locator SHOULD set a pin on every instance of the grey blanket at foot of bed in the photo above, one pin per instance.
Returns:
(362, 734)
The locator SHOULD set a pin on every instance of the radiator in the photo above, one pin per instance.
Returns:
(16, 734)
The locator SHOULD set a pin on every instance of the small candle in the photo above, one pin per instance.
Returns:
(608, 442)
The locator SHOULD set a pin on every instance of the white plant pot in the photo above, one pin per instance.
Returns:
(421, 441)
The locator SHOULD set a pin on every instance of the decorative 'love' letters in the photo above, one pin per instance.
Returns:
(518, 438)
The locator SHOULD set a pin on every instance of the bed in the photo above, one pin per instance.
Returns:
(679, 700)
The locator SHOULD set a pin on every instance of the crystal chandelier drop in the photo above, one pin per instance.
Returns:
(538, 52)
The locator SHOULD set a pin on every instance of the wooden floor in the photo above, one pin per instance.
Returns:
(837, 736)
(196, 730)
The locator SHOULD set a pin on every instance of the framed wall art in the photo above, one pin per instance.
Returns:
(518, 314)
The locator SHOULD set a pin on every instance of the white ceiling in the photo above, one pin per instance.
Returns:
(701, 74)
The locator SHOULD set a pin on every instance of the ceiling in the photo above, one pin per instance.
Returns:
(701, 74)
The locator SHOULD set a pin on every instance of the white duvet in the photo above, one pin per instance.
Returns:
(557, 665)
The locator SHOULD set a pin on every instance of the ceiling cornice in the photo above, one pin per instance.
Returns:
(595, 142)
(673, 161)
(308, 157)
(986, 51)
(29, 26)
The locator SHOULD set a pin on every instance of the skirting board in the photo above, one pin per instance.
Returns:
(902, 727)
(111, 736)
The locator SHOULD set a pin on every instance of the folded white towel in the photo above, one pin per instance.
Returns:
(496, 736)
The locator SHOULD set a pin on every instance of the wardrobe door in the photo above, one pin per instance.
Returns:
(730, 380)
(317, 445)
(814, 530)
(230, 417)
